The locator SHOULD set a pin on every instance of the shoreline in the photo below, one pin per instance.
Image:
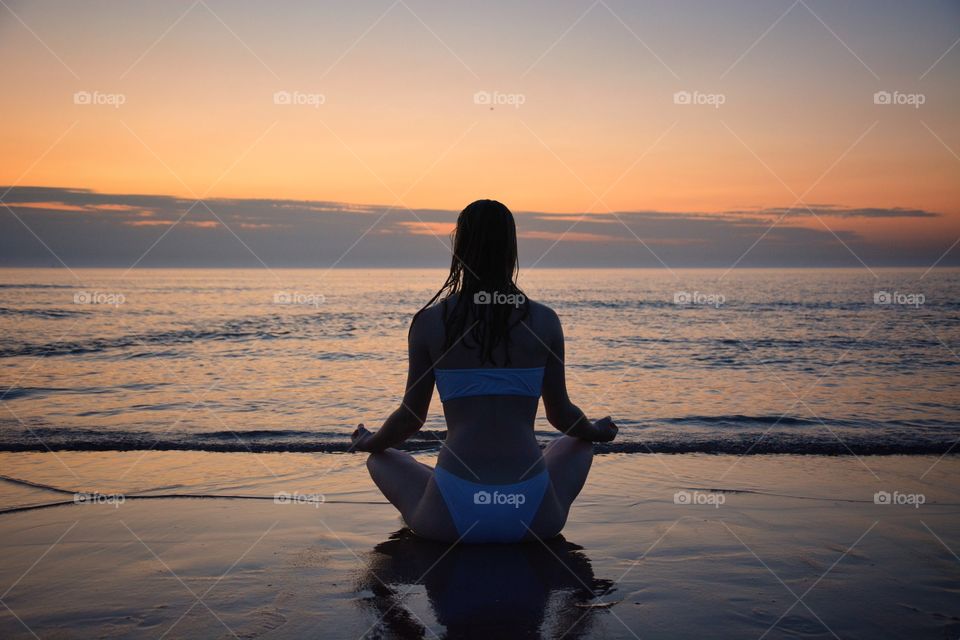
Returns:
(656, 547)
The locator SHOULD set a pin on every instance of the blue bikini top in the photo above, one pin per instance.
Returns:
(461, 383)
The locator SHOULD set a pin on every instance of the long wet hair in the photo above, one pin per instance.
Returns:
(483, 269)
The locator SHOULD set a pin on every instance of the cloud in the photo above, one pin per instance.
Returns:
(87, 228)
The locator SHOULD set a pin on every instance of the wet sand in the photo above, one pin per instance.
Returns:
(299, 545)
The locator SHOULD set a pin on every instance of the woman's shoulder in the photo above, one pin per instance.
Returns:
(540, 312)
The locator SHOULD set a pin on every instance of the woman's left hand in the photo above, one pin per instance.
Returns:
(360, 438)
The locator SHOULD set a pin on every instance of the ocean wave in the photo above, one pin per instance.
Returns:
(842, 437)
(50, 314)
(244, 329)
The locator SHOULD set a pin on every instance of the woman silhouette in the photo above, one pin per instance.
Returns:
(492, 354)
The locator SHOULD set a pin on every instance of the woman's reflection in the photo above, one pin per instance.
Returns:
(527, 590)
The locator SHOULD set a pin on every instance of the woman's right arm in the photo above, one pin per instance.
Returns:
(562, 414)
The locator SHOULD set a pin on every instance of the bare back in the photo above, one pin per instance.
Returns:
(491, 438)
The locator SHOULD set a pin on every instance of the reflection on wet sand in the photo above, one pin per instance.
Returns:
(534, 590)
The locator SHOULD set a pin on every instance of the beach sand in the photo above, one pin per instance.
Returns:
(661, 546)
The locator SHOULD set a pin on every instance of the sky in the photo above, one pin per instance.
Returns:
(214, 133)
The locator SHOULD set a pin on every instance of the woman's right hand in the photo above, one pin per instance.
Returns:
(360, 439)
(606, 430)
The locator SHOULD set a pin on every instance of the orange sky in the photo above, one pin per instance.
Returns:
(598, 127)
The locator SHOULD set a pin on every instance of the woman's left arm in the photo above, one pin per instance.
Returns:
(407, 419)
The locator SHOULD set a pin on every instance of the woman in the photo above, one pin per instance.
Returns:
(492, 354)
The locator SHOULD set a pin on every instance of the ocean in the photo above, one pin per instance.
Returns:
(750, 361)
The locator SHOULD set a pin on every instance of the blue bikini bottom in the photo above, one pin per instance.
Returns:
(491, 512)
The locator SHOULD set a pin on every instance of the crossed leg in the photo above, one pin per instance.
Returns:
(400, 478)
(568, 460)
(409, 486)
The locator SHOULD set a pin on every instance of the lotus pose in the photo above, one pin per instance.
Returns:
(492, 354)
